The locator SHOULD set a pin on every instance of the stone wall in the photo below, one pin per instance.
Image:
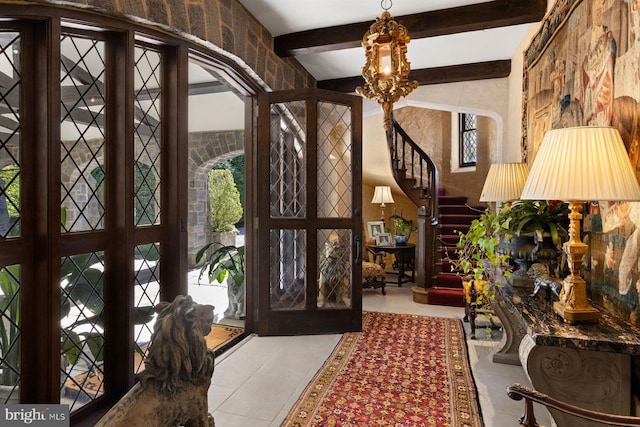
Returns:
(223, 25)
(431, 129)
(206, 149)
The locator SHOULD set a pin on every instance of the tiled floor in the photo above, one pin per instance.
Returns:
(257, 382)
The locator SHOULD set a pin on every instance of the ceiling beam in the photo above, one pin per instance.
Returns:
(481, 16)
(431, 76)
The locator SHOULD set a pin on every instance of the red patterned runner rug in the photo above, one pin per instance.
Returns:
(401, 370)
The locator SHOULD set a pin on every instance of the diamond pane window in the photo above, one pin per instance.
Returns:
(147, 137)
(10, 333)
(288, 269)
(334, 161)
(10, 135)
(82, 132)
(147, 295)
(468, 139)
(334, 268)
(82, 332)
(287, 159)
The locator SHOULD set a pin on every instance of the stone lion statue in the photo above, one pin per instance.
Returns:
(333, 274)
(173, 387)
(539, 272)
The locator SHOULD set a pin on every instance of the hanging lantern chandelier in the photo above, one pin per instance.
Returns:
(386, 72)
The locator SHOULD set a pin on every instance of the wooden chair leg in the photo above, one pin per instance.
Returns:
(472, 309)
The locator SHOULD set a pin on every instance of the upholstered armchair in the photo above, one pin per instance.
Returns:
(373, 273)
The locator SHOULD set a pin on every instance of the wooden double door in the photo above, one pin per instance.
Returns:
(307, 224)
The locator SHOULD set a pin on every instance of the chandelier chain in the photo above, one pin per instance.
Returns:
(386, 2)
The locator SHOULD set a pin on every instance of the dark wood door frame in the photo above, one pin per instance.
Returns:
(310, 318)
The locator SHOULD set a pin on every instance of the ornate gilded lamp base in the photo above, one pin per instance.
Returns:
(573, 305)
(571, 314)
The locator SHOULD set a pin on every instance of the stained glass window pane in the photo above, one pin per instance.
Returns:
(82, 70)
(288, 269)
(82, 329)
(468, 139)
(10, 333)
(334, 268)
(147, 137)
(10, 135)
(287, 159)
(335, 191)
(147, 295)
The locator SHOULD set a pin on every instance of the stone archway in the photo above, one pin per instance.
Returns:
(206, 150)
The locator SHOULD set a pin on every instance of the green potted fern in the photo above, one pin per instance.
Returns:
(543, 217)
(538, 229)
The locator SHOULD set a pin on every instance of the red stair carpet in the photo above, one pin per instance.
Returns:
(455, 215)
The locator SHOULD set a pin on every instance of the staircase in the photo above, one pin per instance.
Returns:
(441, 215)
(455, 215)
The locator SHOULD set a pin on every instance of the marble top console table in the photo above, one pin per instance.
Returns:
(587, 365)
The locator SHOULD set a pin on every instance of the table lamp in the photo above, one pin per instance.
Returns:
(382, 195)
(504, 182)
(577, 165)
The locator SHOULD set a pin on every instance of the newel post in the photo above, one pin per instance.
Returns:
(424, 257)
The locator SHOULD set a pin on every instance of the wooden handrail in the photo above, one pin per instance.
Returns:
(406, 155)
(417, 175)
(518, 392)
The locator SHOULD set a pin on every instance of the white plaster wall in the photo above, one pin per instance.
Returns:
(482, 97)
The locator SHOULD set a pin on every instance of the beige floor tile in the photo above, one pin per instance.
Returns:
(261, 379)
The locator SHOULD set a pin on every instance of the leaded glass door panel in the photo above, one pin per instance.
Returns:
(309, 203)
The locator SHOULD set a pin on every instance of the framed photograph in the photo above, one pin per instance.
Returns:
(383, 239)
(374, 228)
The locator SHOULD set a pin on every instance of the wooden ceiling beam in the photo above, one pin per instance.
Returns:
(431, 76)
(481, 16)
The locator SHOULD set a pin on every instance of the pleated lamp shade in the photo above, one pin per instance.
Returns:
(382, 194)
(582, 164)
(504, 182)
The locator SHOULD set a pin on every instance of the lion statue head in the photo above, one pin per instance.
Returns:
(178, 353)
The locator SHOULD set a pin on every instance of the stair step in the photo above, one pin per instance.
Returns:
(460, 210)
(448, 280)
(446, 296)
(448, 252)
(445, 266)
(452, 200)
(450, 239)
(457, 219)
(453, 229)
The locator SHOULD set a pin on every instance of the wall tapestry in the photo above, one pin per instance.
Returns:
(583, 68)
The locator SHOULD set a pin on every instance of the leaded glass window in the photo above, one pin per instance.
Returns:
(468, 139)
